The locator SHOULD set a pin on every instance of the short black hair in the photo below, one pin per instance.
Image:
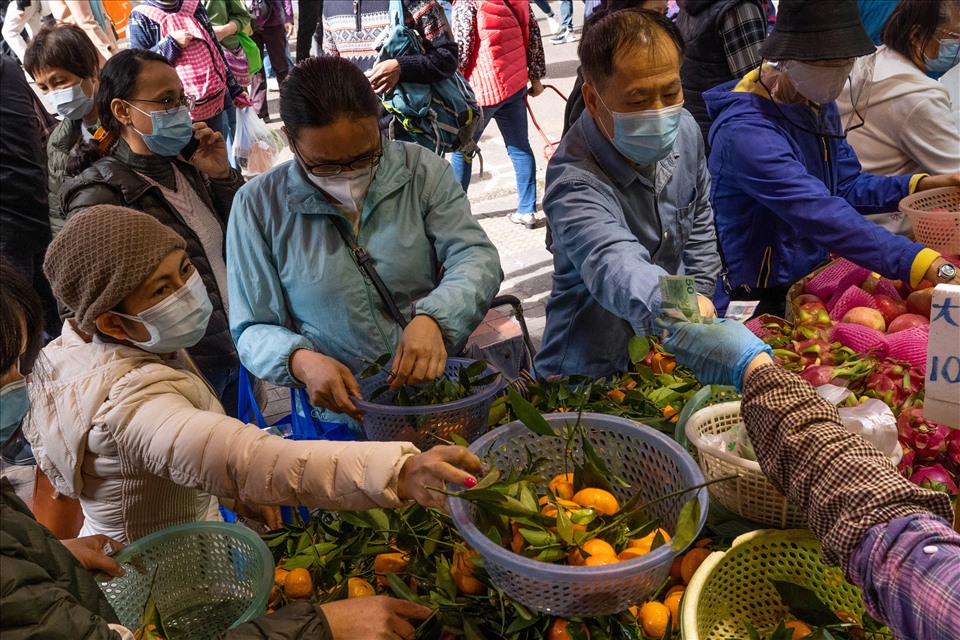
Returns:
(914, 23)
(620, 31)
(323, 89)
(20, 308)
(62, 46)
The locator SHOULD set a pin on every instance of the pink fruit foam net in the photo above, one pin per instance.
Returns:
(859, 338)
(756, 326)
(886, 288)
(826, 283)
(910, 345)
(849, 299)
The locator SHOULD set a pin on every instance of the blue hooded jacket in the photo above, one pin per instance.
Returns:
(783, 197)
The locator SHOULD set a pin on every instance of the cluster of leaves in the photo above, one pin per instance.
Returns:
(337, 546)
(828, 624)
(446, 388)
(653, 391)
(152, 626)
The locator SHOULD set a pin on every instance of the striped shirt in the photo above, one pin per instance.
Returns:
(743, 31)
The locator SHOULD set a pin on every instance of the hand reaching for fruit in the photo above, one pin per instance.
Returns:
(424, 473)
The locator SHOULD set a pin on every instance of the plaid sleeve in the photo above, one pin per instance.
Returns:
(842, 483)
(909, 573)
(743, 31)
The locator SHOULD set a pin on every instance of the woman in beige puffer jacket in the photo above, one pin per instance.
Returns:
(141, 439)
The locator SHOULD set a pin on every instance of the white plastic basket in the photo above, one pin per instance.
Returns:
(750, 495)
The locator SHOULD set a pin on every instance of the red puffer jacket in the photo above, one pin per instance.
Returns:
(500, 67)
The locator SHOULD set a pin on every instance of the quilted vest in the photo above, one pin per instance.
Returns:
(705, 63)
(500, 68)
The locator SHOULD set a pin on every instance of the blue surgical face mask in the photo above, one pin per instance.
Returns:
(946, 59)
(645, 136)
(178, 321)
(71, 102)
(13, 407)
(171, 131)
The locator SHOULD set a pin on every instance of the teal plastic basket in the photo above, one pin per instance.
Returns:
(207, 577)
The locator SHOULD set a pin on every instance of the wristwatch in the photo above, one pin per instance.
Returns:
(946, 272)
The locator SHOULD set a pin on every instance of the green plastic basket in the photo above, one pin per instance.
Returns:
(733, 586)
(707, 396)
(210, 577)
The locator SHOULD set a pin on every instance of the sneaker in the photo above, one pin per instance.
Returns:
(528, 220)
(571, 36)
(559, 36)
(554, 24)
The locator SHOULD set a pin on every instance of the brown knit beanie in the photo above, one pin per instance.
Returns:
(101, 255)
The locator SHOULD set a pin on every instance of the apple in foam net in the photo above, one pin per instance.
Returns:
(889, 308)
(906, 321)
(920, 302)
(867, 317)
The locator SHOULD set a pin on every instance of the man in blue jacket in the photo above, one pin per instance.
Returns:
(787, 187)
(626, 198)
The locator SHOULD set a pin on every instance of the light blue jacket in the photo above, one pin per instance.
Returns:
(293, 283)
(614, 234)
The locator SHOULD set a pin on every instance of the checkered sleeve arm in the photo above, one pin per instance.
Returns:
(743, 30)
(464, 25)
(843, 484)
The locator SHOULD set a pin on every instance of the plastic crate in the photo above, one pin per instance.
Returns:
(207, 577)
(650, 462)
(427, 425)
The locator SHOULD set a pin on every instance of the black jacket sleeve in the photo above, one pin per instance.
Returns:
(296, 621)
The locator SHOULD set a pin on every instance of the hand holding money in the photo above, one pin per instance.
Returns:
(680, 299)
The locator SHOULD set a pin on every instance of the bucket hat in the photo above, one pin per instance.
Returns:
(817, 30)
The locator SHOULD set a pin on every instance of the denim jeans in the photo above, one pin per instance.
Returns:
(566, 14)
(226, 384)
(230, 129)
(511, 117)
(544, 6)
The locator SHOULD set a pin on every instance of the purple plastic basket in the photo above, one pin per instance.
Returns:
(427, 425)
(647, 460)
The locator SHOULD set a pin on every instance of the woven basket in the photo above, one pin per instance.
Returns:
(938, 230)
(751, 495)
(210, 577)
(428, 425)
(733, 586)
(650, 462)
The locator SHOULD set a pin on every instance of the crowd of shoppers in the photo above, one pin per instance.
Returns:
(142, 268)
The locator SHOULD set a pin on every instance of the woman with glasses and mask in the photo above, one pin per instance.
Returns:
(149, 156)
(787, 187)
(301, 310)
(912, 126)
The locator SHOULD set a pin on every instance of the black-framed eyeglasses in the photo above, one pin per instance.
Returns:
(328, 169)
(170, 105)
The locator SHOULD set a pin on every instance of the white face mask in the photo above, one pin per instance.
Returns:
(815, 83)
(178, 321)
(348, 187)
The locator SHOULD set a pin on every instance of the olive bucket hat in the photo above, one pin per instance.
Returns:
(810, 30)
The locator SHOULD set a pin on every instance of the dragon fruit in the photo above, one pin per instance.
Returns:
(893, 382)
(953, 447)
(935, 478)
(927, 439)
(905, 466)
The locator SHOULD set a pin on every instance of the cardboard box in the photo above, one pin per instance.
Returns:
(942, 399)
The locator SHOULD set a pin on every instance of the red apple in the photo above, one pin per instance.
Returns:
(906, 321)
(920, 301)
(889, 308)
(867, 317)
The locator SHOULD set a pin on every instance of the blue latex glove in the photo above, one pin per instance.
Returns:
(717, 352)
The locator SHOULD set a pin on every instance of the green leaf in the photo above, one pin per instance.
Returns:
(475, 369)
(639, 348)
(588, 475)
(445, 579)
(658, 540)
(470, 630)
(752, 631)
(687, 523)
(539, 538)
(298, 562)
(492, 476)
(805, 604)
(458, 440)
(401, 590)
(552, 555)
(564, 526)
(528, 414)
(591, 454)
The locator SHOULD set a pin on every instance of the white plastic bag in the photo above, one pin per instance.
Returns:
(255, 145)
(874, 422)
